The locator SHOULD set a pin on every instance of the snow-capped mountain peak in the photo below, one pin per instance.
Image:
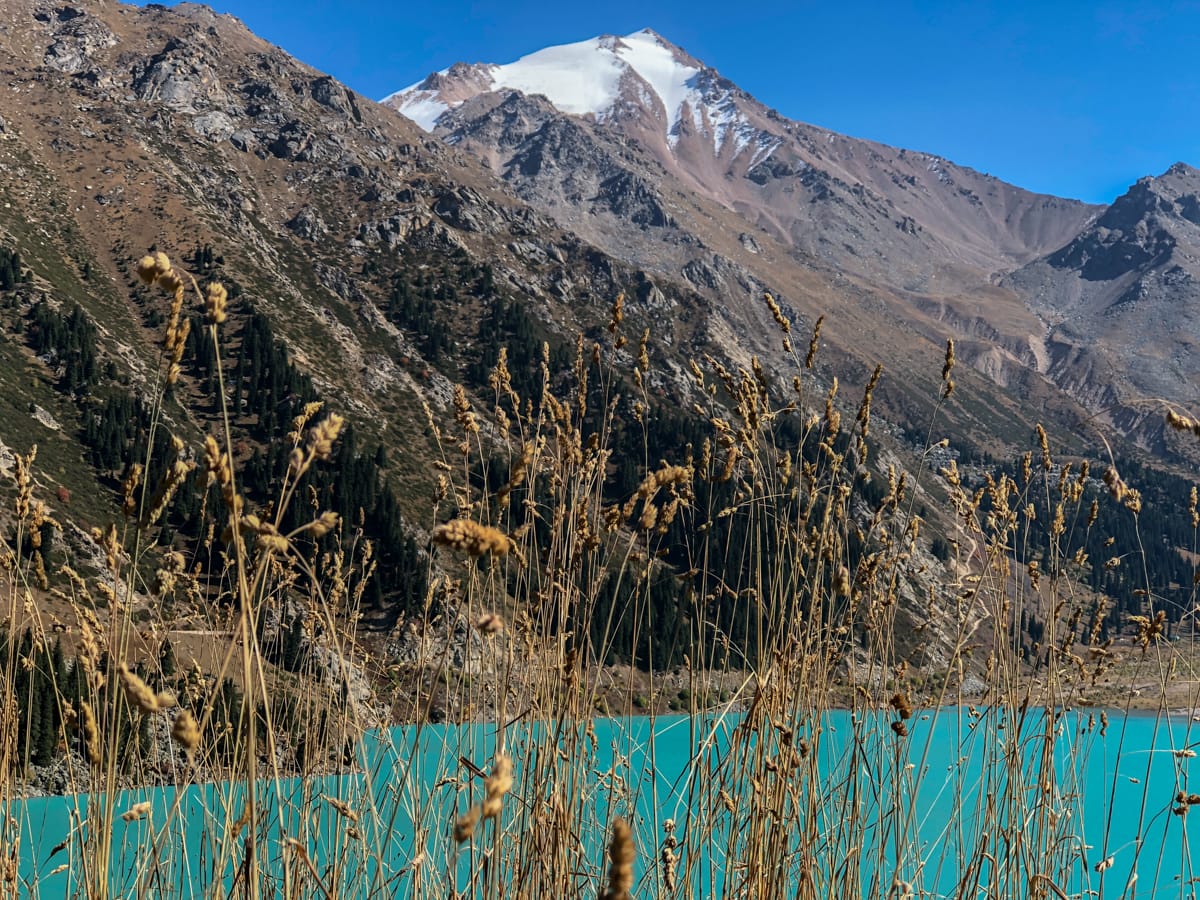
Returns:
(603, 77)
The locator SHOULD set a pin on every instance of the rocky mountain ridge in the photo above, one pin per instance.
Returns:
(181, 123)
(784, 176)
(1122, 293)
(949, 251)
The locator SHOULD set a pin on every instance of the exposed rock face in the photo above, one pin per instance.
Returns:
(308, 224)
(76, 37)
(1121, 300)
(178, 78)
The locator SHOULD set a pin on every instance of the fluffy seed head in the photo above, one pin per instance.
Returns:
(137, 811)
(139, 693)
(323, 434)
(146, 270)
(186, 730)
(1116, 484)
(814, 343)
(170, 282)
(947, 368)
(215, 299)
(489, 623)
(471, 537)
(618, 314)
(86, 723)
(780, 320)
(621, 854)
(464, 828)
(323, 524)
(498, 784)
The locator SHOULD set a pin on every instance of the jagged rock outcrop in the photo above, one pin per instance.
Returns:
(1122, 299)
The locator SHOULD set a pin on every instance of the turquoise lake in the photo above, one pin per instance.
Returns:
(1117, 794)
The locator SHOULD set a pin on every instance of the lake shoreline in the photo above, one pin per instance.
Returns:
(66, 770)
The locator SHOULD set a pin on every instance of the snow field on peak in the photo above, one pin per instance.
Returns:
(586, 78)
(422, 107)
(577, 78)
(667, 77)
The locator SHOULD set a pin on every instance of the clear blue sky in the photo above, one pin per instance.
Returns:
(1077, 99)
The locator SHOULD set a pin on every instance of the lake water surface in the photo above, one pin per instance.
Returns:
(1115, 794)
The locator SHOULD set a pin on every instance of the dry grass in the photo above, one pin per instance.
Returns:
(799, 602)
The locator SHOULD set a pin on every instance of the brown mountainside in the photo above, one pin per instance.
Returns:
(1121, 297)
(178, 128)
(945, 250)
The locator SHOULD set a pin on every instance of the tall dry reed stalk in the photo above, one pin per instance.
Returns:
(803, 601)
